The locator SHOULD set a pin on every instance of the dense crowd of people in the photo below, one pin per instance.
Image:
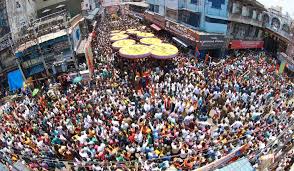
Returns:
(149, 114)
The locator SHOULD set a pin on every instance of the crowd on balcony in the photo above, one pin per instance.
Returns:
(149, 115)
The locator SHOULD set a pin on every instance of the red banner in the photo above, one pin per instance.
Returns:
(239, 44)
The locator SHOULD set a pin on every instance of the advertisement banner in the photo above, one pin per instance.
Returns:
(224, 160)
(89, 57)
(282, 67)
(181, 30)
(211, 42)
(239, 44)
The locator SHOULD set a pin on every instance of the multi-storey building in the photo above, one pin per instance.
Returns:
(38, 39)
(195, 23)
(245, 29)
(277, 30)
(39, 52)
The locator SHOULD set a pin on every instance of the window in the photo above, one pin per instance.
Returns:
(217, 3)
(156, 8)
(193, 19)
(151, 7)
(214, 20)
(194, 2)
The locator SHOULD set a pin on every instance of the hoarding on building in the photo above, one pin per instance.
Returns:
(239, 44)
(211, 42)
(181, 30)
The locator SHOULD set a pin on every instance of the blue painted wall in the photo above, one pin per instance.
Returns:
(215, 9)
(215, 28)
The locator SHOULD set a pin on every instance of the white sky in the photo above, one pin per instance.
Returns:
(287, 5)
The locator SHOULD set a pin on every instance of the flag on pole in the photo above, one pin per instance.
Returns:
(282, 67)
(197, 53)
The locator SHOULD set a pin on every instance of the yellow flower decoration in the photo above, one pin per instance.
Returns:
(150, 41)
(135, 51)
(144, 34)
(119, 37)
(114, 34)
(131, 30)
(115, 31)
(163, 51)
(123, 43)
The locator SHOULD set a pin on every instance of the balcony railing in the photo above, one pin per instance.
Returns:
(246, 20)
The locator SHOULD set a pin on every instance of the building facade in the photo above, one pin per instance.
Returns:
(245, 29)
(49, 53)
(199, 24)
(277, 30)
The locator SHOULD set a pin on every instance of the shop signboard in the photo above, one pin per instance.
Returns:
(239, 44)
(211, 42)
(181, 30)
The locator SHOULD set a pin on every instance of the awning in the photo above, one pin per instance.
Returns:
(180, 42)
(155, 27)
(60, 6)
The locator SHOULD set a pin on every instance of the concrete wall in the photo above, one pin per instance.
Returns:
(20, 12)
(213, 8)
(4, 24)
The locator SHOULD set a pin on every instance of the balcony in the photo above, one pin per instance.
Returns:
(245, 20)
(278, 31)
